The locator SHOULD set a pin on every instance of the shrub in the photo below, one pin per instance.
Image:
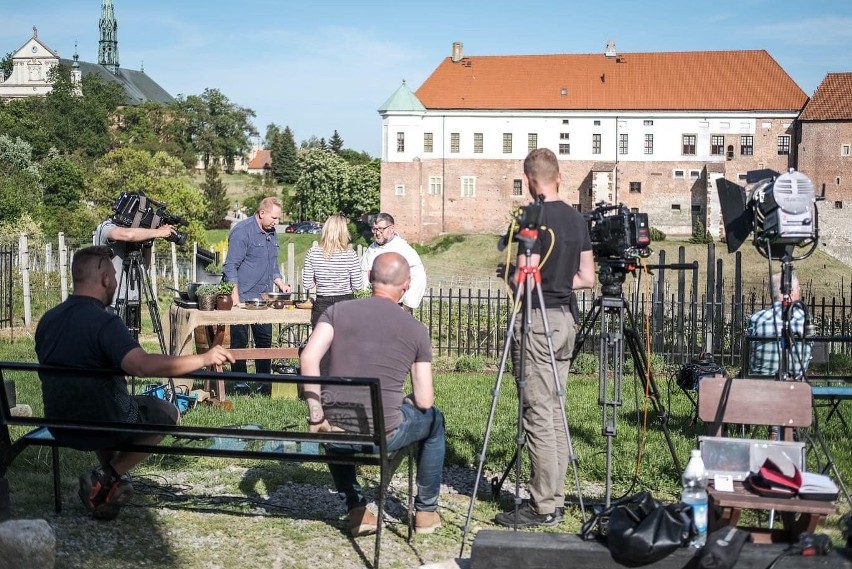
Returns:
(657, 235)
(585, 363)
(469, 363)
(699, 234)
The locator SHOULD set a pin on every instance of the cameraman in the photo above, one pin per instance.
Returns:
(122, 240)
(563, 254)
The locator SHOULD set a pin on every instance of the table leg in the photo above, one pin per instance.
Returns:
(215, 337)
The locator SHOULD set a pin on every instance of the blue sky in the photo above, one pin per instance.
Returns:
(317, 65)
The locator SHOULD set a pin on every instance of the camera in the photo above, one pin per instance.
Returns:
(617, 233)
(525, 219)
(780, 209)
(135, 209)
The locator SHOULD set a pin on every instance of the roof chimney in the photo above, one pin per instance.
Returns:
(457, 51)
(610, 49)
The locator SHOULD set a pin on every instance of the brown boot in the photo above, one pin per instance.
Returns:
(426, 522)
(362, 521)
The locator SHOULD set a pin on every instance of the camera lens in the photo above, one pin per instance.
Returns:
(178, 238)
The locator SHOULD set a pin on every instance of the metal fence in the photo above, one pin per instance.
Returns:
(6, 262)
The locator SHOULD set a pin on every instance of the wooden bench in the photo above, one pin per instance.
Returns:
(760, 402)
(296, 445)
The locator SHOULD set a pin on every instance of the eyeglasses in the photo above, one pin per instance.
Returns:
(380, 229)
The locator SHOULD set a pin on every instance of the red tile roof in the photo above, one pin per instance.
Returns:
(261, 160)
(832, 100)
(695, 80)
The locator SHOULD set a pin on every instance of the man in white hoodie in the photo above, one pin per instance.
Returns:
(387, 240)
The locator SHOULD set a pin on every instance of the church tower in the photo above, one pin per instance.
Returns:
(108, 45)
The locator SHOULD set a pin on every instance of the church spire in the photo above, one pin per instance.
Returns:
(108, 45)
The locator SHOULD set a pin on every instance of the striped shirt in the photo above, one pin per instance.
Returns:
(339, 274)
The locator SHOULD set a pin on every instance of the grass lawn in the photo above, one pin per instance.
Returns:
(215, 513)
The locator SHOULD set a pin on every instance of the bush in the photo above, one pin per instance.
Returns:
(585, 364)
(657, 235)
(469, 363)
(700, 235)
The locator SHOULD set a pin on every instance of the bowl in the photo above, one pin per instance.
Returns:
(275, 296)
(255, 304)
(190, 291)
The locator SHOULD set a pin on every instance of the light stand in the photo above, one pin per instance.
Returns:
(133, 284)
(530, 278)
(612, 310)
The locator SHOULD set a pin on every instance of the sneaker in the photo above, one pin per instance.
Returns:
(426, 522)
(526, 518)
(102, 496)
(362, 522)
(559, 515)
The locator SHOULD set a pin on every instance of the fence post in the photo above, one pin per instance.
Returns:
(175, 267)
(192, 265)
(152, 273)
(48, 254)
(23, 246)
(291, 265)
(63, 266)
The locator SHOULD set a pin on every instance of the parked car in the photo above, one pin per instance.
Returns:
(309, 227)
(291, 228)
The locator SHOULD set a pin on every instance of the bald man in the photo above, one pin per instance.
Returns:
(82, 333)
(375, 337)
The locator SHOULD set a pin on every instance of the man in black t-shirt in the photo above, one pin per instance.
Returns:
(81, 333)
(563, 255)
(374, 337)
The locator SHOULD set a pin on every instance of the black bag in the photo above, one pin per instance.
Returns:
(640, 530)
(691, 374)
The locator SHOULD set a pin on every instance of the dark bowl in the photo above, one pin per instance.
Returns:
(190, 291)
(273, 296)
(184, 296)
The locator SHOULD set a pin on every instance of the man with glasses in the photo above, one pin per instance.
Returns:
(81, 333)
(387, 240)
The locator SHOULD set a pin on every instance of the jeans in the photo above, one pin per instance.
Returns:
(262, 334)
(427, 427)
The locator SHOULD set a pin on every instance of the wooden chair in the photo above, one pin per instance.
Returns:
(759, 402)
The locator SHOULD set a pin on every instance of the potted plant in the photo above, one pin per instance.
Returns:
(224, 300)
(206, 294)
(214, 268)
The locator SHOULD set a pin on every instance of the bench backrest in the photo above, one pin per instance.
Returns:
(753, 402)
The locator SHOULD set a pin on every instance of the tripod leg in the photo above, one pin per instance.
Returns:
(494, 397)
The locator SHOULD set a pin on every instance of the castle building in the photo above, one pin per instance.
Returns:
(650, 130)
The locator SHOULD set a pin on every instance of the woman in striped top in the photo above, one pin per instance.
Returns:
(332, 267)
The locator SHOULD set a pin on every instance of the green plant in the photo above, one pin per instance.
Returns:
(214, 268)
(470, 363)
(225, 288)
(207, 290)
(699, 234)
(585, 363)
(657, 235)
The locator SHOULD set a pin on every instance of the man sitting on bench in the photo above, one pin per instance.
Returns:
(765, 355)
(80, 332)
(374, 337)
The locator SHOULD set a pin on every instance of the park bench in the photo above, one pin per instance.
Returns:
(284, 444)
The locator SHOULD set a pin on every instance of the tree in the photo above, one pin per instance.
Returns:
(335, 143)
(285, 158)
(64, 187)
(363, 191)
(216, 194)
(6, 65)
(354, 157)
(328, 184)
(20, 180)
(312, 142)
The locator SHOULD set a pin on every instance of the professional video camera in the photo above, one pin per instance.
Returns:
(135, 209)
(617, 233)
(779, 208)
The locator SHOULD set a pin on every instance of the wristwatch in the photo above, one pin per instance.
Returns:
(314, 423)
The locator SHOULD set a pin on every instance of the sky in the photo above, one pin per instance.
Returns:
(318, 66)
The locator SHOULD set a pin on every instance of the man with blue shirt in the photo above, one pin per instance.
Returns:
(252, 265)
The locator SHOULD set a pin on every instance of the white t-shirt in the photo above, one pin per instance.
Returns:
(399, 245)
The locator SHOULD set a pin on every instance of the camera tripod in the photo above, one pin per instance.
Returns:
(531, 278)
(612, 310)
(133, 284)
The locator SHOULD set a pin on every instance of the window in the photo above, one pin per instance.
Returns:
(596, 144)
(784, 145)
(436, 185)
(597, 123)
(507, 143)
(729, 154)
(635, 187)
(845, 150)
(837, 180)
(517, 187)
(696, 209)
(717, 145)
(742, 177)
(564, 136)
(564, 148)
(622, 144)
(647, 122)
(565, 121)
(477, 143)
(468, 186)
(695, 174)
(675, 207)
(838, 205)
(400, 142)
(399, 190)
(427, 142)
(532, 141)
(679, 174)
(454, 142)
(688, 145)
(746, 145)
(649, 144)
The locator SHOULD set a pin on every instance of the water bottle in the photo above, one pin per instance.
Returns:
(694, 481)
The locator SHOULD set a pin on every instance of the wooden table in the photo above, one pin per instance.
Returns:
(798, 516)
(183, 321)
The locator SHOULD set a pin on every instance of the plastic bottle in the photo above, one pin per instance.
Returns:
(694, 481)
